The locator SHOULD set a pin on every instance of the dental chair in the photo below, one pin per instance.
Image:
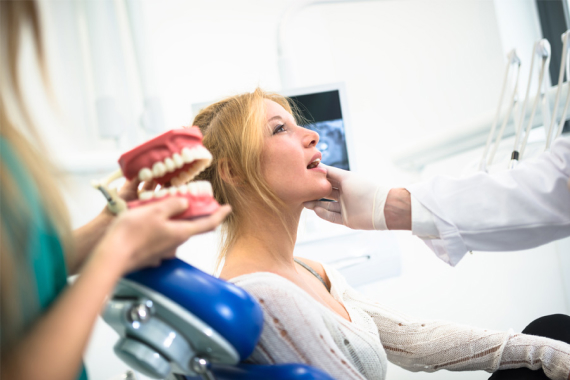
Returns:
(176, 322)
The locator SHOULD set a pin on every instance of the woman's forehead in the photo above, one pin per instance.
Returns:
(274, 110)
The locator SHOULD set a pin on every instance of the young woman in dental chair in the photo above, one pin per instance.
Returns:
(266, 166)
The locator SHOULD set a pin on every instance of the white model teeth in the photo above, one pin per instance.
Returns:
(178, 161)
(187, 155)
(145, 174)
(146, 195)
(200, 188)
(161, 193)
(195, 188)
(197, 153)
(158, 169)
(199, 156)
(169, 163)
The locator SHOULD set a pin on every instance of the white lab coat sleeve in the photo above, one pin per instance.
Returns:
(423, 223)
(506, 211)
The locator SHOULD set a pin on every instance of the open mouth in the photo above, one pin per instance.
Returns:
(172, 160)
(314, 163)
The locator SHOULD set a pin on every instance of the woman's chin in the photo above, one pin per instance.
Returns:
(323, 192)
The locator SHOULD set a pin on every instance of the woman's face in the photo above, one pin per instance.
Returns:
(286, 158)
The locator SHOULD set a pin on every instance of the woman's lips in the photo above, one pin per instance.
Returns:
(319, 168)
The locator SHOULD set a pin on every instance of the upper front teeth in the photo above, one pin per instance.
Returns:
(170, 164)
(145, 174)
(197, 153)
(315, 163)
(178, 161)
(158, 169)
(194, 188)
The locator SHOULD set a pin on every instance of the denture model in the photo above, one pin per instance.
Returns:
(172, 160)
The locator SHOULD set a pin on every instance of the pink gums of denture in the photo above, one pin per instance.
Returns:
(198, 205)
(158, 149)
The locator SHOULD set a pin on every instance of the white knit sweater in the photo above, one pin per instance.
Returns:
(299, 329)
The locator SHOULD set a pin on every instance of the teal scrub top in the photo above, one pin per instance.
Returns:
(44, 257)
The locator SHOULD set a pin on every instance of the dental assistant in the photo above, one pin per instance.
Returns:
(45, 323)
(507, 211)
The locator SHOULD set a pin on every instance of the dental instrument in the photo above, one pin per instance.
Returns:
(172, 160)
(512, 60)
(542, 49)
(564, 66)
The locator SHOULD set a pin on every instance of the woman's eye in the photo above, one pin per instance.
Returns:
(279, 129)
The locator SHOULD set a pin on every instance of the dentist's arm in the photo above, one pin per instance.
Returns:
(505, 211)
(511, 210)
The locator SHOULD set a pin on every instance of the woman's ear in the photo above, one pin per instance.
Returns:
(227, 173)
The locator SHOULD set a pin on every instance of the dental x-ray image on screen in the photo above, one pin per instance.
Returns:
(321, 112)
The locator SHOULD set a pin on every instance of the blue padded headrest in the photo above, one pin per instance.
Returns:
(226, 308)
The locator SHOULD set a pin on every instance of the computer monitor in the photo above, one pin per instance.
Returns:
(323, 109)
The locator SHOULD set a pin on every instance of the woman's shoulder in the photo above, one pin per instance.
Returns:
(317, 267)
(332, 277)
(272, 290)
(256, 278)
(266, 283)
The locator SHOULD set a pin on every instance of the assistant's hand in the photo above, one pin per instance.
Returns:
(146, 235)
(86, 237)
(359, 201)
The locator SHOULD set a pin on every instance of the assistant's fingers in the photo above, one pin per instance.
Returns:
(129, 189)
(207, 223)
(149, 185)
(169, 254)
(331, 216)
(170, 206)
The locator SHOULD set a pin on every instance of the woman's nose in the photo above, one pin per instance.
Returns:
(311, 138)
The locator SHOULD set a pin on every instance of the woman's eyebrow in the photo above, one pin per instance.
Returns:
(275, 117)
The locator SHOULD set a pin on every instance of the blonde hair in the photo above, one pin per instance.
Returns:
(15, 16)
(233, 131)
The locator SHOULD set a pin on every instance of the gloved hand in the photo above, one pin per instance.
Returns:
(359, 201)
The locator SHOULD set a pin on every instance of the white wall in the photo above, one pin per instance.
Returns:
(412, 68)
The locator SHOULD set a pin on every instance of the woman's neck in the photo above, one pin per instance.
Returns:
(265, 243)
